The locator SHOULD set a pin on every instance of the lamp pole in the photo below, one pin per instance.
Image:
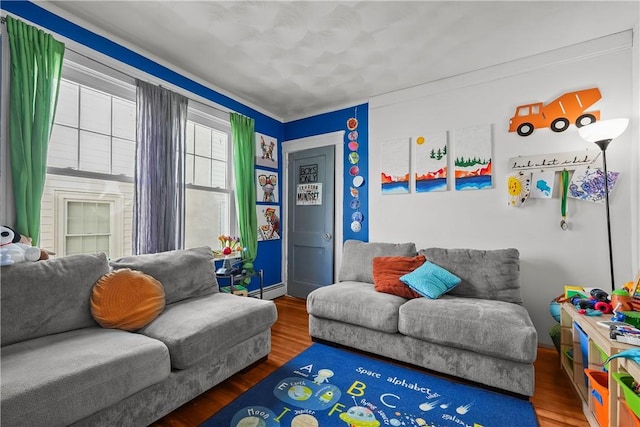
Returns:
(603, 146)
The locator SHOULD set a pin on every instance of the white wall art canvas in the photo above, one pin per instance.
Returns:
(266, 151)
(266, 186)
(473, 154)
(394, 171)
(268, 222)
(430, 156)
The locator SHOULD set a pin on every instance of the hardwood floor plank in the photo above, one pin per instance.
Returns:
(555, 401)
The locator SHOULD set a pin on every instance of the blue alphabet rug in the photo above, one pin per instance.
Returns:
(326, 387)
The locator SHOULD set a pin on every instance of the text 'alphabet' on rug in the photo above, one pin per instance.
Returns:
(326, 387)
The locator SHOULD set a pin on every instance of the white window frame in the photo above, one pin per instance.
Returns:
(207, 116)
(62, 198)
(106, 78)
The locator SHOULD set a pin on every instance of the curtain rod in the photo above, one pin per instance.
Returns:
(3, 21)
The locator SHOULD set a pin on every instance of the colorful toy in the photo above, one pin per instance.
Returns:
(12, 251)
(621, 297)
(599, 301)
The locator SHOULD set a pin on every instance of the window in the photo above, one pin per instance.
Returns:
(93, 131)
(208, 209)
(89, 223)
(91, 165)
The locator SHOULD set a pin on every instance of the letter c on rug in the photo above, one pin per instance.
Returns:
(382, 399)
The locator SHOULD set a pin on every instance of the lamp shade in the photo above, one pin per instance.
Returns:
(603, 130)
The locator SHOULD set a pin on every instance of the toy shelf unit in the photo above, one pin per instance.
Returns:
(585, 346)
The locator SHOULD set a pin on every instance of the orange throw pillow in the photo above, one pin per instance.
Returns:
(126, 299)
(388, 270)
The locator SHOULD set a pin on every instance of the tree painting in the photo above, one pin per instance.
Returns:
(430, 162)
(473, 150)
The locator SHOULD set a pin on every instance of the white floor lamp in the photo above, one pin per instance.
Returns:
(602, 133)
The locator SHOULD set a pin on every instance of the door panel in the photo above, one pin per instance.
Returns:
(310, 218)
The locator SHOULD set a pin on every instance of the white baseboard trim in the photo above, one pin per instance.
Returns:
(270, 292)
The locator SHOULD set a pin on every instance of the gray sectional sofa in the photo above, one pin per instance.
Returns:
(59, 367)
(478, 331)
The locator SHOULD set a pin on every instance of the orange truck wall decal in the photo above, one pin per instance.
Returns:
(557, 114)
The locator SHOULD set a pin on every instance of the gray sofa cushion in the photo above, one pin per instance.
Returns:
(198, 328)
(183, 273)
(356, 303)
(487, 274)
(494, 328)
(47, 297)
(62, 378)
(357, 258)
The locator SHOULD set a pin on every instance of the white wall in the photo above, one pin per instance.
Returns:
(550, 257)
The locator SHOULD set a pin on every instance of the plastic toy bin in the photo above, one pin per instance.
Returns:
(627, 418)
(630, 397)
(584, 349)
(599, 392)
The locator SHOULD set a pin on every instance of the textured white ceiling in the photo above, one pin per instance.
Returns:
(295, 59)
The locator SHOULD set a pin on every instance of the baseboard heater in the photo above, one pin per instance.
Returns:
(270, 292)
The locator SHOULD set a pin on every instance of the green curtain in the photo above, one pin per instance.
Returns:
(244, 152)
(36, 66)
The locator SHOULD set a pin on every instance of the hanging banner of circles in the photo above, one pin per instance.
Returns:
(357, 180)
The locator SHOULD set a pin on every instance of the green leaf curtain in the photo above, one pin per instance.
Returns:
(244, 152)
(36, 67)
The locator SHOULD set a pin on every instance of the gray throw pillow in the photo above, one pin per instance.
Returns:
(487, 274)
(47, 297)
(357, 258)
(183, 273)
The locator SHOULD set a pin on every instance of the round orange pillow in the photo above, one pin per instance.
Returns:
(126, 299)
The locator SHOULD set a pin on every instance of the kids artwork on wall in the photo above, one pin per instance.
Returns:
(430, 154)
(587, 183)
(266, 186)
(519, 188)
(542, 183)
(268, 222)
(394, 171)
(473, 151)
(266, 151)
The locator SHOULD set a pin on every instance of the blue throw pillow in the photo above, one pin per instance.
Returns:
(430, 280)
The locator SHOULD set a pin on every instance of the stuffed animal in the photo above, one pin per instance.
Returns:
(12, 251)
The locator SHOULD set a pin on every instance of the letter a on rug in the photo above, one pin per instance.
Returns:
(326, 387)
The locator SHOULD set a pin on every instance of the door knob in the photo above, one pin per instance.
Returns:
(327, 236)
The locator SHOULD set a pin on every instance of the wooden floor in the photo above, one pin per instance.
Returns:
(555, 401)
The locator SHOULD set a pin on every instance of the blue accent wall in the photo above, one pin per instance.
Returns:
(333, 122)
(269, 253)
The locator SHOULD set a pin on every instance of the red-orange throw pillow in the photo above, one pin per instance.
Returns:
(126, 299)
(388, 270)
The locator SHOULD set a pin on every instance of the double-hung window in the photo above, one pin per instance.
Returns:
(209, 206)
(87, 204)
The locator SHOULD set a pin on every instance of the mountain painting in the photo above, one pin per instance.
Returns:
(473, 151)
(430, 162)
(394, 171)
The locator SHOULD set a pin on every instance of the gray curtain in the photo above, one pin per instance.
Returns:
(158, 211)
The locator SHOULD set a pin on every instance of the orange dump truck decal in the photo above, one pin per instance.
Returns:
(557, 114)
